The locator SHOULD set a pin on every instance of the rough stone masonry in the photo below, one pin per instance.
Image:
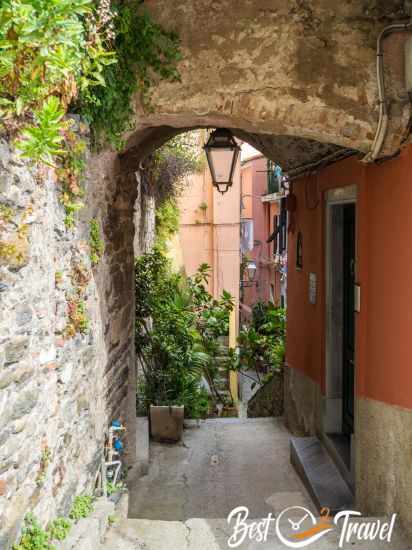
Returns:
(59, 392)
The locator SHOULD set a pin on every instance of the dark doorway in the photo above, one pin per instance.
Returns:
(348, 378)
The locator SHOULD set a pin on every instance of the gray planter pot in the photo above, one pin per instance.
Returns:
(166, 423)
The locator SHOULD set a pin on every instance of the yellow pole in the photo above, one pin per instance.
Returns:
(233, 379)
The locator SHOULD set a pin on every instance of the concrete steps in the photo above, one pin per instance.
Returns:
(319, 474)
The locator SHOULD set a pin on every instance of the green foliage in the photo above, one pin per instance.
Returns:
(44, 465)
(33, 536)
(42, 45)
(81, 508)
(56, 53)
(176, 345)
(113, 487)
(112, 519)
(143, 50)
(171, 163)
(59, 528)
(71, 174)
(167, 223)
(6, 215)
(212, 321)
(96, 243)
(261, 346)
(78, 319)
(49, 50)
(43, 142)
(167, 349)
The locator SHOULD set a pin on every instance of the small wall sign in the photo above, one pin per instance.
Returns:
(312, 288)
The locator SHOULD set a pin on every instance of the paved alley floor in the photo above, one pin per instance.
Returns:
(220, 465)
(184, 501)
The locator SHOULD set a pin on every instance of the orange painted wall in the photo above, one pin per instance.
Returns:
(386, 244)
(384, 271)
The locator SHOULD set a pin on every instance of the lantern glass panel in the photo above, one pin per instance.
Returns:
(221, 161)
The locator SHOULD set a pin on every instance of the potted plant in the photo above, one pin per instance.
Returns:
(168, 347)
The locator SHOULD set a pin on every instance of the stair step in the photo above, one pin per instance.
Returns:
(319, 474)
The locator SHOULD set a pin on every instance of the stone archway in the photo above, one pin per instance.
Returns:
(296, 79)
(302, 69)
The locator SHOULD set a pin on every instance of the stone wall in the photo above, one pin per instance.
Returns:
(58, 392)
(383, 460)
(268, 399)
(302, 403)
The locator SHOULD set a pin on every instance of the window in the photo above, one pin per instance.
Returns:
(273, 182)
(283, 222)
(275, 240)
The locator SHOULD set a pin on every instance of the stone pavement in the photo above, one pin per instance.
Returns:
(183, 502)
(222, 464)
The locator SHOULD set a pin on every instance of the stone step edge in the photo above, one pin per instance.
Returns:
(322, 479)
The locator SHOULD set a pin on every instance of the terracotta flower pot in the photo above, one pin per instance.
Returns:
(166, 422)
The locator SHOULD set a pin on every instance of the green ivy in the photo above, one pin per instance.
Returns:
(33, 536)
(59, 528)
(82, 507)
(49, 50)
(167, 223)
(96, 243)
(180, 344)
(56, 55)
(143, 50)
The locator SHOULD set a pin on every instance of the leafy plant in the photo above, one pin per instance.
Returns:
(167, 223)
(212, 319)
(261, 346)
(44, 464)
(33, 536)
(59, 528)
(50, 50)
(71, 174)
(167, 168)
(78, 319)
(6, 215)
(143, 49)
(43, 141)
(112, 519)
(82, 507)
(168, 345)
(113, 487)
(96, 243)
(177, 325)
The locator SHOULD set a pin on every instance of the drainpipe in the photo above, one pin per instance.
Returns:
(383, 104)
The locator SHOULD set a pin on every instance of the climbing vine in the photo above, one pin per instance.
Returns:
(144, 51)
(84, 55)
(96, 243)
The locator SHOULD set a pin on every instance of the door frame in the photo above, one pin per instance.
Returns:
(332, 409)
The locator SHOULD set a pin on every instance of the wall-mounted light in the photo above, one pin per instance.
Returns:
(222, 153)
(251, 270)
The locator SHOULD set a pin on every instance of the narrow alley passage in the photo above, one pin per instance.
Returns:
(184, 500)
(220, 465)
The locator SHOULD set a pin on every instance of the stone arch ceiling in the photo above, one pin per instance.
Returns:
(295, 78)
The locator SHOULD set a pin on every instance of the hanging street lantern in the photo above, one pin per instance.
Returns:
(222, 153)
(251, 270)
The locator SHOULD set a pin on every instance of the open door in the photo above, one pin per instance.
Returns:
(348, 378)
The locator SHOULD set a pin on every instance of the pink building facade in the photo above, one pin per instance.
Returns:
(210, 231)
(260, 220)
